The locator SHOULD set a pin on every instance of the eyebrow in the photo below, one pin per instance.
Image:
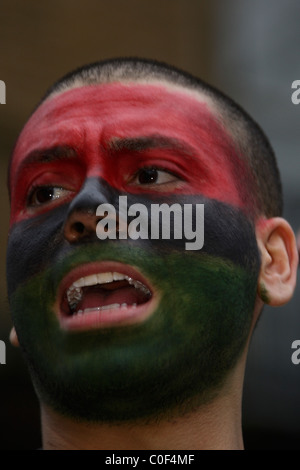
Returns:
(132, 144)
(139, 144)
(47, 155)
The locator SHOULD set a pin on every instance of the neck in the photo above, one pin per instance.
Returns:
(216, 426)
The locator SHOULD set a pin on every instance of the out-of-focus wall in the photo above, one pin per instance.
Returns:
(256, 62)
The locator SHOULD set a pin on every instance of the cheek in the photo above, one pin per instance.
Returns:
(33, 245)
(228, 232)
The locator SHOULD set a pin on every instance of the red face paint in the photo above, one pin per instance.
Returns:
(112, 131)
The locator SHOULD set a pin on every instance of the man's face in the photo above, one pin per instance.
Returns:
(122, 329)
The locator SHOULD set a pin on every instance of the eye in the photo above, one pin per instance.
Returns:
(45, 194)
(155, 176)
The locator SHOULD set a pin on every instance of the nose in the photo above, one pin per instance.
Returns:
(82, 220)
(81, 224)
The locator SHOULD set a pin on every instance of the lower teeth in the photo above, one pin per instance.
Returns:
(105, 307)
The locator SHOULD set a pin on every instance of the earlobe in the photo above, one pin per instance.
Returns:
(279, 261)
(13, 338)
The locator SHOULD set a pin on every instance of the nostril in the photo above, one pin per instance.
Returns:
(79, 227)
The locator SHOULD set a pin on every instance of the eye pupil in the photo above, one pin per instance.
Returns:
(44, 195)
(148, 175)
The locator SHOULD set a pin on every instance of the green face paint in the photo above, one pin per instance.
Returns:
(264, 293)
(181, 353)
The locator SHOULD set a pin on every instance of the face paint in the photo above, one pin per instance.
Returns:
(194, 334)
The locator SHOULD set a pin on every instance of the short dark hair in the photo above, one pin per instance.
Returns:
(250, 141)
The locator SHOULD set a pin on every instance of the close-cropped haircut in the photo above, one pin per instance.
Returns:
(250, 142)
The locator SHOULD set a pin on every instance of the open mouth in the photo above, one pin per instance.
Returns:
(101, 295)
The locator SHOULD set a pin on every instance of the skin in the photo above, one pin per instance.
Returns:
(180, 357)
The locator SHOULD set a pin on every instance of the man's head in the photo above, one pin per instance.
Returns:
(124, 329)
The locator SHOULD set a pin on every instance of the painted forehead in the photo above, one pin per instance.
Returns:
(101, 105)
(92, 118)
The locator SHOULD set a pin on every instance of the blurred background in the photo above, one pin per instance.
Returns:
(247, 48)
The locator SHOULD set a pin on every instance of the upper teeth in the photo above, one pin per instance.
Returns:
(74, 293)
(101, 278)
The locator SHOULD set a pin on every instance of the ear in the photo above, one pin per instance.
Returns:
(13, 338)
(298, 241)
(279, 261)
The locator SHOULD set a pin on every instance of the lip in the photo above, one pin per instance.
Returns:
(110, 317)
